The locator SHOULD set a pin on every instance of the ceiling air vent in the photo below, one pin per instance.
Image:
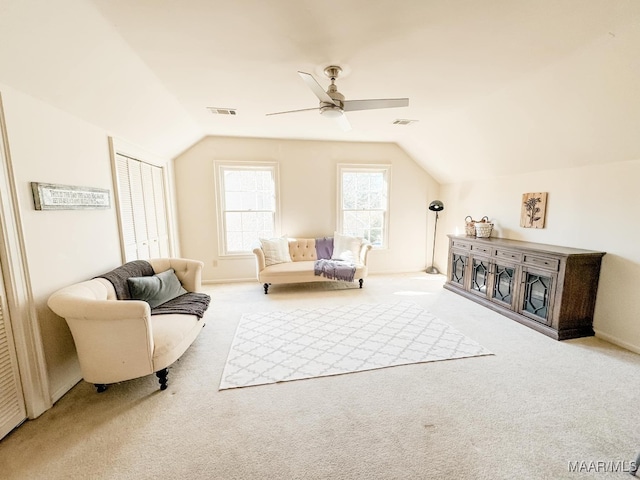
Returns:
(403, 121)
(222, 111)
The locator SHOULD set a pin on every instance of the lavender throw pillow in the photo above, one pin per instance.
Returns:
(324, 248)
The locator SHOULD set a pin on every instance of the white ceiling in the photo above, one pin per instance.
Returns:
(498, 86)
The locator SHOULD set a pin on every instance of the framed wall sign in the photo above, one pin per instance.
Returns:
(49, 196)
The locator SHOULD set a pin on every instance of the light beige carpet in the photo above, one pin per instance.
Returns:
(523, 413)
(306, 343)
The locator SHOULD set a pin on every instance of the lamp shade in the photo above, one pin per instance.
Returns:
(436, 206)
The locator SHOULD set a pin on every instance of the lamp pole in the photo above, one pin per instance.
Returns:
(435, 206)
(432, 269)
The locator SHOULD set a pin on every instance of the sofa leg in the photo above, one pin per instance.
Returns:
(100, 387)
(162, 378)
(361, 281)
(266, 288)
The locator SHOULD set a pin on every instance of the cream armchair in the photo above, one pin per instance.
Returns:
(119, 340)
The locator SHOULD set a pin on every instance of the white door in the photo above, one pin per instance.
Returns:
(12, 409)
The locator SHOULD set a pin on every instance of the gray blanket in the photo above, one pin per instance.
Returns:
(118, 276)
(335, 269)
(192, 303)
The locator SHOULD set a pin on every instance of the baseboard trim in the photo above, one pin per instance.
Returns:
(228, 280)
(60, 392)
(618, 342)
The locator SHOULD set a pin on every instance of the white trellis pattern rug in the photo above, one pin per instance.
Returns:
(281, 346)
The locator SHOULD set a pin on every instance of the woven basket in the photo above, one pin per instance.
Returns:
(470, 227)
(483, 229)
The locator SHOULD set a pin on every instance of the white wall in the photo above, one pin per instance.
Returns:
(62, 247)
(308, 171)
(591, 207)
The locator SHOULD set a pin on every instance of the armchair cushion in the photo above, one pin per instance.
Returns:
(156, 289)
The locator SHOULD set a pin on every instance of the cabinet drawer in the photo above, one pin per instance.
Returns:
(461, 245)
(509, 255)
(543, 262)
(481, 249)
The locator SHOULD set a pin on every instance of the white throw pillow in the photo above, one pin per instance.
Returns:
(276, 250)
(346, 248)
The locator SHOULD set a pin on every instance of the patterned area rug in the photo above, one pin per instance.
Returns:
(281, 346)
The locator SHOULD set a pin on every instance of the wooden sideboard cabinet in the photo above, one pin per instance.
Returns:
(548, 288)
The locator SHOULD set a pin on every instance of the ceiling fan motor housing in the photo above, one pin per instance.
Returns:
(330, 110)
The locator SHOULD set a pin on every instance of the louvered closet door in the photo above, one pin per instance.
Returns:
(12, 410)
(139, 213)
(143, 215)
(126, 209)
(161, 212)
(150, 210)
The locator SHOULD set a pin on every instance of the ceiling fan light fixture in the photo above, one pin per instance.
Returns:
(331, 111)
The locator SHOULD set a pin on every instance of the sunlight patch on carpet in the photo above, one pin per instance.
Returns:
(281, 346)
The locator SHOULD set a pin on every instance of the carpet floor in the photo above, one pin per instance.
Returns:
(531, 410)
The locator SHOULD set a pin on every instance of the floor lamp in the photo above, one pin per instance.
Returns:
(435, 206)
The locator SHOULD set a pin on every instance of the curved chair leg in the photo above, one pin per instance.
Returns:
(162, 378)
(266, 288)
(100, 387)
(361, 281)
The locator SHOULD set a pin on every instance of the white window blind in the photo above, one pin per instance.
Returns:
(143, 216)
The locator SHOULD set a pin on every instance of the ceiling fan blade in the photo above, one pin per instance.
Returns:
(343, 122)
(294, 111)
(351, 105)
(316, 88)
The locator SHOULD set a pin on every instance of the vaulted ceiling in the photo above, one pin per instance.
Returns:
(497, 86)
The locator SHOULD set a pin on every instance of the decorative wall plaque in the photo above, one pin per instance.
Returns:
(533, 210)
(49, 196)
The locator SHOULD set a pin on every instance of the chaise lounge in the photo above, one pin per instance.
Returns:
(300, 260)
(119, 337)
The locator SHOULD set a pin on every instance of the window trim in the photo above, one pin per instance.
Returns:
(365, 168)
(219, 167)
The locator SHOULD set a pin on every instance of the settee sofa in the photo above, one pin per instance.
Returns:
(118, 338)
(297, 260)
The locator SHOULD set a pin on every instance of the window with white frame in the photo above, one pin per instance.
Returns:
(247, 201)
(363, 201)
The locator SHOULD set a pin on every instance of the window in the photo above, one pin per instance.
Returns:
(143, 215)
(247, 200)
(363, 201)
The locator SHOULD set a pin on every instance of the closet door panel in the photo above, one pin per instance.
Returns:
(12, 410)
(161, 211)
(139, 212)
(143, 215)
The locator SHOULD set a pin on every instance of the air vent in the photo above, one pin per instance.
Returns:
(222, 111)
(404, 121)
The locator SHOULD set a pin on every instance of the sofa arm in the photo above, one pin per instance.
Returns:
(189, 272)
(364, 252)
(260, 261)
(113, 338)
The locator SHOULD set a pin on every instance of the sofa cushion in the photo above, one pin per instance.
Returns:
(276, 250)
(156, 289)
(346, 248)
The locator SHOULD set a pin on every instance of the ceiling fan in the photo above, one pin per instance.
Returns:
(332, 103)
